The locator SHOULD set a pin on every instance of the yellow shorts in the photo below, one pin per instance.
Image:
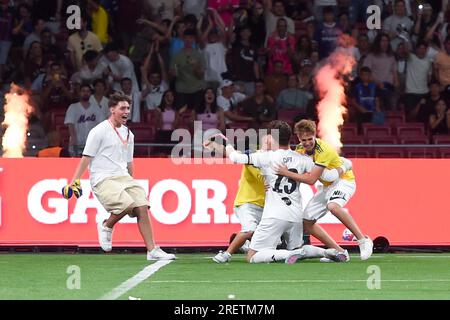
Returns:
(120, 193)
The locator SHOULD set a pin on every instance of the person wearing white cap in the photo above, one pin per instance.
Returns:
(228, 99)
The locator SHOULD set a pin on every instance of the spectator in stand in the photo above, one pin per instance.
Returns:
(99, 20)
(91, 69)
(292, 97)
(129, 10)
(209, 113)
(320, 6)
(257, 25)
(398, 26)
(228, 100)
(225, 9)
(302, 52)
(425, 107)
(99, 97)
(345, 26)
(135, 97)
(363, 48)
(277, 81)
(327, 33)
(34, 64)
(54, 148)
(195, 7)
(35, 36)
(305, 77)
(424, 22)
(365, 101)
(50, 51)
(167, 120)
(260, 107)
(118, 66)
(23, 25)
(154, 82)
(401, 57)
(188, 68)
(442, 65)
(6, 27)
(214, 44)
(418, 74)
(81, 42)
(244, 61)
(163, 9)
(440, 118)
(274, 10)
(381, 62)
(281, 46)
(51, 11)
(81, 117)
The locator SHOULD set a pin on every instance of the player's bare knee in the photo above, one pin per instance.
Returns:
(333, 207)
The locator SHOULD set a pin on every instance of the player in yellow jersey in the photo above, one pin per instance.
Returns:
(333, 196)
(248, 207)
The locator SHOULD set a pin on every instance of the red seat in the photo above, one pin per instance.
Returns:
(63, 131)
(238, 125)
(383, 140)
(389, 153)
(349, 130)
(410, 130)
(415, 140)
(444, 153)
(353, 140)
(374, 131)
(288, 115)
(57, 117)
(441, 139)
(143, 133)
(394, 117)
(356, 152)
(422, 153)
(150, 116)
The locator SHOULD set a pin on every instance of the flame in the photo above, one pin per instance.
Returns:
(330, 84)
(17, 109)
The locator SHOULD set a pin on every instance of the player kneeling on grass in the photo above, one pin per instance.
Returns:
(282, 215)
(333, 196)
(109, 155)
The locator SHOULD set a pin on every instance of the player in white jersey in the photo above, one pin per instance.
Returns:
(282, 213)
(109, 155)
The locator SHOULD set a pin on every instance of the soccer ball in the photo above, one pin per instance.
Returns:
(347, 235)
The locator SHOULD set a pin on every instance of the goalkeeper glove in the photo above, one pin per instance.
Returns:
(73, 189)
(346, 165)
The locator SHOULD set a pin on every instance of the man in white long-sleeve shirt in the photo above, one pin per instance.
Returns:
(282, 213)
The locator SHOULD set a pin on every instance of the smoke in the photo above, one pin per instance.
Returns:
(330, 83)
(17, 110)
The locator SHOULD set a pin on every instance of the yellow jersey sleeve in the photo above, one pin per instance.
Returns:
(251, 187)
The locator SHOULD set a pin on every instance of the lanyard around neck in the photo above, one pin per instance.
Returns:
(124, 141)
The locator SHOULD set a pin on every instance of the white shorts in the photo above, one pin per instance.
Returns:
(269, 232)
(249, 216)
(339, 192)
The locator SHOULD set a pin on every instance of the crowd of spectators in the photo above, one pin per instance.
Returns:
(227, 63)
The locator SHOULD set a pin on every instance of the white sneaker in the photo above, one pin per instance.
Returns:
(158, 254)
(332, 255)
(366, 248)
(222, 257)
(104, 236)
(295, 255)
(245, 247)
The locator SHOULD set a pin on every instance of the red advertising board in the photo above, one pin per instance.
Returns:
(403, 200)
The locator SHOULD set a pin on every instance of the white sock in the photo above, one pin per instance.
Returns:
(270, 255)
(313, 252)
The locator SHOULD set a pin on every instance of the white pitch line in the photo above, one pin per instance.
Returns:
(135, 280)
(297, 281)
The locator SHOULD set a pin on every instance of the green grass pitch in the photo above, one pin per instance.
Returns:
(197, 277)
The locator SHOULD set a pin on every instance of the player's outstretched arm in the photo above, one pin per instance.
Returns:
(82, 166)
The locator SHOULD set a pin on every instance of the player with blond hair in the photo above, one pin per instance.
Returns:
(333, 196)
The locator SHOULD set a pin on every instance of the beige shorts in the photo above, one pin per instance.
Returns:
(120, 193)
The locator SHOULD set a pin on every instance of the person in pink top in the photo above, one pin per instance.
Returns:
(167, 120)
(281, 47)
(211, 115)
(225, 9)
